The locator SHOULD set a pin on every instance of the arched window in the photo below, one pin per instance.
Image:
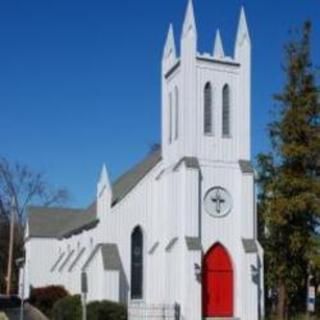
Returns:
(137, 264)
(176, 134)
(208, 109)
(170, 118)
(226, 132)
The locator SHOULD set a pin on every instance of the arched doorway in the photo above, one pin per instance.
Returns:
(217, 283)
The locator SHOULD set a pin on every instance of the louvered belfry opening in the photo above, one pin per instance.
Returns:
(208, 108)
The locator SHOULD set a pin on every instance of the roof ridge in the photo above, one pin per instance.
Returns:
(71, 221)
(138, 163)
(127, 181)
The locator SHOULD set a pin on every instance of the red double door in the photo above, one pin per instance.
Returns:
(217, 295)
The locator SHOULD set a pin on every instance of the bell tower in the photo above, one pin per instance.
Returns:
(206, 97)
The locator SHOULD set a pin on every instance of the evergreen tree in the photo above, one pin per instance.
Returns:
(289, 189)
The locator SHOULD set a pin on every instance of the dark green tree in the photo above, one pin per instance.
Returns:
(289, 188)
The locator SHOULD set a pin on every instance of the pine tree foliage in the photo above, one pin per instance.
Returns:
(289, 200)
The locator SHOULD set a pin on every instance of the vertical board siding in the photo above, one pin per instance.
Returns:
(169, 205)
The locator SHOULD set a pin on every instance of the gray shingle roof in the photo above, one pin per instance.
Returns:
(65, 222)
(190, 162)
(49, 222)
(85, 220)
(246, 166)
(249, 245)
(193, 244)
(59, 222)
(131, 178)
(110, 256)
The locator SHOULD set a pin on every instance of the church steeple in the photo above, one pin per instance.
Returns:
(170, 46)
(189, 24)
(218, 52)
(104, 181)
(189, 35)
(243, 37)
(201, 91)
(169, 52)
(104, 201)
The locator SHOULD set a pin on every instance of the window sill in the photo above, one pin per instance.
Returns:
(137, 300)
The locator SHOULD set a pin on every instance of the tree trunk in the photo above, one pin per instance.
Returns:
(282, 313)
(10, 255)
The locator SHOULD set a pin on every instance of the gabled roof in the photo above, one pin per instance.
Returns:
(193, 244)
(65, 222)
(87, 219)
(190, 162)
(246, 166)
(110, 256)
(131, 178)
(250, 245)
(59, 222)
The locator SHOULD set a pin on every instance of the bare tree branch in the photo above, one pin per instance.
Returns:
(25, 186)
(22, 186)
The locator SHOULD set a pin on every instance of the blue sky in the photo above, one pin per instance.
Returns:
(80, 80)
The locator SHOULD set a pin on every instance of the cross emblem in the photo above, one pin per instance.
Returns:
(218, 200)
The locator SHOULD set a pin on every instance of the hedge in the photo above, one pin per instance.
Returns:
(45, 298)
(68, 308)
(106, 310)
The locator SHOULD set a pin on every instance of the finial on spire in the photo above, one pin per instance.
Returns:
(243, 30)
(104, 181)
(218, 51)
(189, 21)
(170, 46)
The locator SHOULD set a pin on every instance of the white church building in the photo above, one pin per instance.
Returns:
(175, 237)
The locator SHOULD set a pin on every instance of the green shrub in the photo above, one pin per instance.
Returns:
(296, 317)
(44, 298)
(68, 308)
(106, 310)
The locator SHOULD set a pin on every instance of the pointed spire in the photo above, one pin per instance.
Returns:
(104, 181)
(243, 30)
(218, 51)
(104, 178)
(189, 21)
(170, 46)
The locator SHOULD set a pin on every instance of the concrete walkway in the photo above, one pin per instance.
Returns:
(30, 313)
